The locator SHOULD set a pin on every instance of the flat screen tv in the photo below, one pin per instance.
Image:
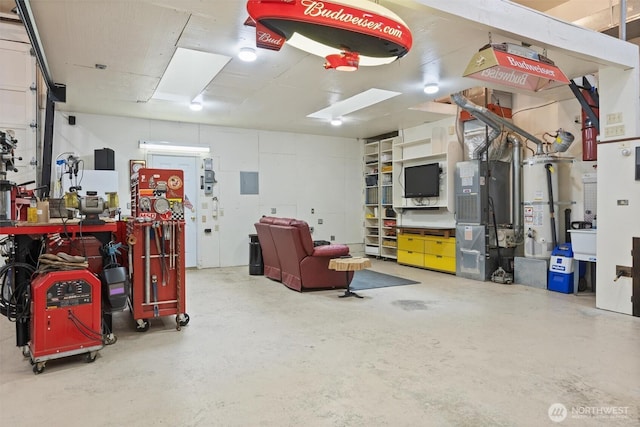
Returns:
(422, 181)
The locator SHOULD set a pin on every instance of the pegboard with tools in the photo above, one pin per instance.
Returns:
(156, 246)
(157, 195)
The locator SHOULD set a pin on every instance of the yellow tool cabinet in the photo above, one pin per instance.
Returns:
(418, 248)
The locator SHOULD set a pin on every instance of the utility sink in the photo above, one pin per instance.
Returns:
(583, 244)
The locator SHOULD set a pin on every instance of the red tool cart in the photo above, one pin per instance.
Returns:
(156, 246)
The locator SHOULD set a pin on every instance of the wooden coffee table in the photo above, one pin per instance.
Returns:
(347, 265)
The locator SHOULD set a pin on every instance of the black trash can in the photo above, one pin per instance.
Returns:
(256, 266)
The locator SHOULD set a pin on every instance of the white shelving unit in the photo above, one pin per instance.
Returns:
(379, 222)
(371, 198)
(422, 152)
(388, 240)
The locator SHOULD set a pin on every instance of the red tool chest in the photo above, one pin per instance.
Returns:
(156, 243)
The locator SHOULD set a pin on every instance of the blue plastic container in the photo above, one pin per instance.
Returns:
(561, 269)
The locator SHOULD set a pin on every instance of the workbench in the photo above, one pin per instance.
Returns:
(59, 225)
(28, 239)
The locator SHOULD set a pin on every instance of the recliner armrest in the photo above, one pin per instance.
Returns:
(333, 251)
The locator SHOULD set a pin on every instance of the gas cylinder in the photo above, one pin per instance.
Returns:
(589, 142)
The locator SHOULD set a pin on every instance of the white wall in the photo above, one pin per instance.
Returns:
(617, 222)
(297, 173)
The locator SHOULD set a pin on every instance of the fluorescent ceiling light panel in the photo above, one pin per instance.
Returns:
(170, 146)
(355, 103)
(188, 73)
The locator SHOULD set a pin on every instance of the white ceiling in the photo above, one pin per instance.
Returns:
(136, 39)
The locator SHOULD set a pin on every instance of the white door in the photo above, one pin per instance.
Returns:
(189, 166)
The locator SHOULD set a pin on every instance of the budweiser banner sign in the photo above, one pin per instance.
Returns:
(512, 70)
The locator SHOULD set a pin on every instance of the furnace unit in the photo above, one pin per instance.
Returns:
(482, 204)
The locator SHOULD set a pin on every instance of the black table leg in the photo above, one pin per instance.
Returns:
(348, 293)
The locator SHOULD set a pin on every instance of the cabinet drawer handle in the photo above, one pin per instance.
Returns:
(411, 240)
(439, 242)
(438, 256)
(409, 252)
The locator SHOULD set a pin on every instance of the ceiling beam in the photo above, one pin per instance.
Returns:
(541, 30)
(57, 91)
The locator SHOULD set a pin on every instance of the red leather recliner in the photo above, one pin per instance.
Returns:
(302, 265)
(269, 254)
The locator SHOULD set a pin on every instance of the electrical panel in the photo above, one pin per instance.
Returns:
(209, 177)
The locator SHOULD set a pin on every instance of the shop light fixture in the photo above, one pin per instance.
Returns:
(516, 66)
(195, 106)
(172, 146)
(431, 88)
(336, 122)
(247, 54)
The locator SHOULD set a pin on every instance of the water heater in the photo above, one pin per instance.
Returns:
(538, 223)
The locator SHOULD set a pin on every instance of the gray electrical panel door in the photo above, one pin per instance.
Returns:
(471, 253)
(471, 203)
(472, 182)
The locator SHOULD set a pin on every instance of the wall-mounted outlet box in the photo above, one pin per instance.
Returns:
(611, 131)
(614, 118)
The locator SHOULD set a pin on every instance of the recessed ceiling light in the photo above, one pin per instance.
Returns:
(431, 88)
(336, 122)
(247, 54)
(195, 106)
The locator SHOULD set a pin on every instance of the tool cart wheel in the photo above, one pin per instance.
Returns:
(91, 357)
(182, 320)
(185, 321)
(38, 368)
(25, 352)
(142, 325)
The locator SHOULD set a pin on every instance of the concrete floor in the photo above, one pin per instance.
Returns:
(447, 351)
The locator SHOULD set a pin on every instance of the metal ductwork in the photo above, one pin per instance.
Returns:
(495, 121)
(475, 147)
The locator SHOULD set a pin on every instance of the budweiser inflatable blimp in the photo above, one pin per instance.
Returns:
(348, 33)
